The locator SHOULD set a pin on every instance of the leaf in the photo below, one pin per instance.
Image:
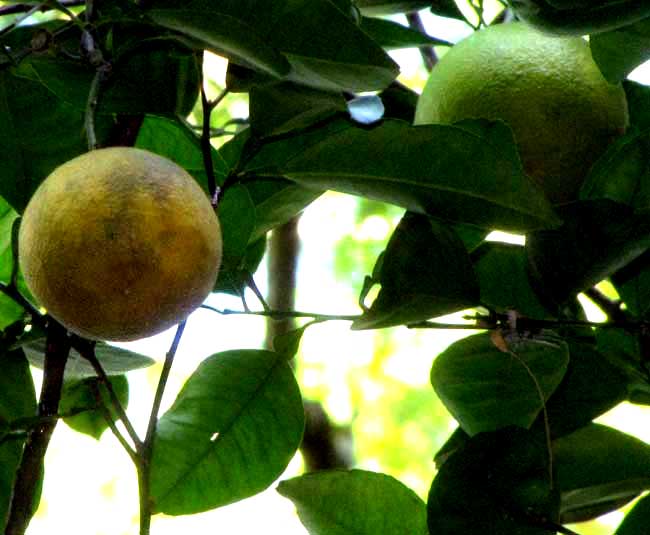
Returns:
(39, 132)
(285, 39)
(425, 272)
(487, 389)
(392, 35)
(230, 433)
(172, 139)
(364, 503)
(288, 343)
(18, 400)
(386, 7)
(460, 173)
(495, 482)
(86, 395)
(10, 311)
(591, 386)
(503, 279)
(638, 102)
(632, 283)
(447, 8)
(598, 238)
(283, 107)
(114, 360)
(637, 519)
(597, 467)
(621, 174)
(620, 51)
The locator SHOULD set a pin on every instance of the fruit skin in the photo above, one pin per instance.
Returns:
(119, 244)
(548, 89)
(580, 17)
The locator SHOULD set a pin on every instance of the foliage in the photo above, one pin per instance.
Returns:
(527, 456)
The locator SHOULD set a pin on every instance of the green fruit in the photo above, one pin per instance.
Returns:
(580, 17)
(562, 111)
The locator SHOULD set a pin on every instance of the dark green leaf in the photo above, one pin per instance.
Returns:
(356, 501)
(494, 483)
(637, 520)
(597, 239)
(284, 107)
(503, 279)
(399, 102)
(591, 386)
(425, 272)
(18, 400)
(39, 132)
(314, 43)
(621, 174)
(471, 175)
(392, 35)
(82, 399)
(447, 8)
(230, 433)
(174, 140)
(633, 285)
(288, 343)
(386, 7)
(596, 467)
(153, 76)
(486, 389)
(638, 103)
(10, 311)
(623, 351)
(620, 51)
(114, 360)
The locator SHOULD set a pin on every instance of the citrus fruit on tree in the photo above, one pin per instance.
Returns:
(562, 111)
(119, 244)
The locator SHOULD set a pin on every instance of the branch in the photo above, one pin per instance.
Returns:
(31, 466)
(206, 147)
(146, 451)
(428, 54)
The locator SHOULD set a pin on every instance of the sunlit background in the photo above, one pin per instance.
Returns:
(373, 383)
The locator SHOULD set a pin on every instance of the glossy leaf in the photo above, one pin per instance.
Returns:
(18, 400)
(174, 140)
(356, 501)
(591, 386)
(494, 483)
(599, 466)
(425, 271)
(620, 51)
(386, 7)
(487, 389)
(503, 279)
(636, 521)
(313, 43)
(39, 132)
(469, 173)
(114, 360)
(81, 400)
(597, 238)
(392, 35)
(230, 433)
(621, 174)
(284, 107)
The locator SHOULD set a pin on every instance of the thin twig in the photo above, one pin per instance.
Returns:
(146, 451)
(19, 20)
(110, 421)
(15, 9)
(91, 105)
(282, 314)
(86, 349)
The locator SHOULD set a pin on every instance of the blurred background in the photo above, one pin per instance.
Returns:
(380, 412)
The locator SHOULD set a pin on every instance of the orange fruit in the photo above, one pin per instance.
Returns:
(119, 244)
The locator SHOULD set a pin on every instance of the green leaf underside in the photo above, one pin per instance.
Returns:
(471, 175)
(620, 51)
(486, 389)
(599, 466)
(637, 520)
(312, 43)
(356, 501)
(230, 433)
(18, 400)
(425, 272)
(82, 394)
(114, 360)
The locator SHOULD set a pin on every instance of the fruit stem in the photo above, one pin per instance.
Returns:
(145, 451)
(30, 471)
